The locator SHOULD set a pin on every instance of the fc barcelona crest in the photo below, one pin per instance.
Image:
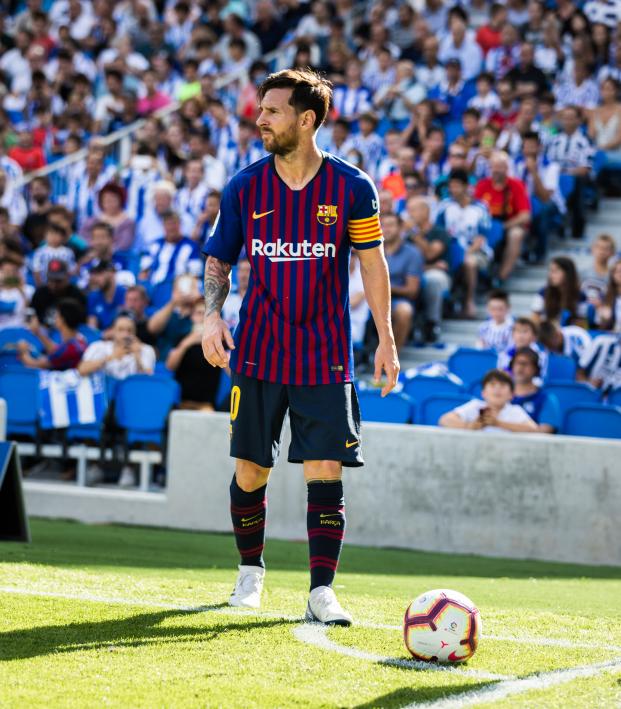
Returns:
(327, 214)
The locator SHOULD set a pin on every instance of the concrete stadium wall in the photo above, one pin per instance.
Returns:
(518, 496)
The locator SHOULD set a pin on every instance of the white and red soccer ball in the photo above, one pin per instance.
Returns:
(442, 626)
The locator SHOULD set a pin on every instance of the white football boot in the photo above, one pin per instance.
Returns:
(323, 607)
(248, 587)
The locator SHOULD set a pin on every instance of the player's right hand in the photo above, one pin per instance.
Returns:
(217, 341)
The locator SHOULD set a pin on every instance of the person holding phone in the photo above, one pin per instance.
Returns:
(120, 356)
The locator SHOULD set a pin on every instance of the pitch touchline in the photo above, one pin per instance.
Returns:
(189, 608)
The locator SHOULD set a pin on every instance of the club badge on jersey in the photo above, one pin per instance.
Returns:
(327, 214)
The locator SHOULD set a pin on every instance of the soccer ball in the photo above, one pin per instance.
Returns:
(442, 626)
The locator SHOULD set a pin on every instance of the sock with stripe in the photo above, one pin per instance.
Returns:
(248, 511)
(325, 520)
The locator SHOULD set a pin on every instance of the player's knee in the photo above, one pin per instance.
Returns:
(323, 470)
(250, 476)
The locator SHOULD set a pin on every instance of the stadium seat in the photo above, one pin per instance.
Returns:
(436, 406)
(614, 397)
(19, 387)
(9, 337)
(162, 369)
(560, 368)
(90, 334)
(570, 394)
(421, 387)
(595, 420)
(496, 233)
(475, 389)
(471, 365)
(394, 408)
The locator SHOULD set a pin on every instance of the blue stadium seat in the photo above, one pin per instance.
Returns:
(471, 365)
(394, 408)
(570, 394)
(9, 337)
(142, 405)
(496, 233)
(560, 368)
(595, 420)
(476, 389)
(421, 387)
(19, 387)
(162, 369)
(567, 184)
(436, 406)
(614, 397)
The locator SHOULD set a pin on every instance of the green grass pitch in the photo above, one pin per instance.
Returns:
(109, 616)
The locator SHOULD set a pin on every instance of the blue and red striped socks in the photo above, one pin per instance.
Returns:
(325, 520)
(248, 511)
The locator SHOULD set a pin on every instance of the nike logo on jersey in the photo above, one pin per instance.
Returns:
(349, 444)
(263, 214)
(332, 514)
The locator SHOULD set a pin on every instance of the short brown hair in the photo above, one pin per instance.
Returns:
(497, 375)
(607, 239)
(527, 322)
(311, 91)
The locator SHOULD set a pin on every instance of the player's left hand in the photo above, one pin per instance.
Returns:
(386, 359)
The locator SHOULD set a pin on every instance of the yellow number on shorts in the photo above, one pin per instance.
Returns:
(235, 396)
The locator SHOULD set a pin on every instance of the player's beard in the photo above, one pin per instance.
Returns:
(282, 144)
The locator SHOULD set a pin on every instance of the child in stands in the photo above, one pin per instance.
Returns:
(496, 332)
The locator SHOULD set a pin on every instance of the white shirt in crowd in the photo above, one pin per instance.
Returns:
(123, 367)
(496, 336)
(602, 361)
(360, 314)
(510, 413)
(15, 301)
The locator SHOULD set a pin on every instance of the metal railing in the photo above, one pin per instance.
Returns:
(118, 145)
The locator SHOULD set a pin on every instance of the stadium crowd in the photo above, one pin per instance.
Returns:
(486, 127)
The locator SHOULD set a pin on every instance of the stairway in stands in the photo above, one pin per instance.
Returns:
(524, 283)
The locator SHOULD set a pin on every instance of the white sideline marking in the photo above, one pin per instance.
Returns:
(494, 693)
(316, 634)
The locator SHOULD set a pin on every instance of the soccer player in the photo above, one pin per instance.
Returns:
(298, 212)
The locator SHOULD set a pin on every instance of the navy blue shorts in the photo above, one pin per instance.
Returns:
(324, 420)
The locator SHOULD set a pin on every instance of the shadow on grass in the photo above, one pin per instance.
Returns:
(71, 544)
(134, 631)
(409, 695)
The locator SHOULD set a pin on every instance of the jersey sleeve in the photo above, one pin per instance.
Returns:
(227, 236)
(364, 227)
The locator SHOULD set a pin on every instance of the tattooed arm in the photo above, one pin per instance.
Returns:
(217, 285)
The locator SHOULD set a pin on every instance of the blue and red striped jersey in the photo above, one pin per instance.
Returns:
(294, 325)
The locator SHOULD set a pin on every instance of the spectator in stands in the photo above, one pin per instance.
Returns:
(66, 355)
(561, 299)
(136, 302)
(12, 200)
(433, 243)
(352, 98)
(542, 179)
(594, 279)
(485, 100)
(207, 218)
(507, 112)
(431, 160)
(58, 287)
(489, 36)
(111, 201)
(457, 160)
(494, 412)
(528, 79)
(460, 45)
(120, 356)
(467, 222)
(604, 125)
(171, 323)
(480, 156)
(507, 200)
(405, 265)
(190, 199)
(14, 295)
(571, 340)
(574, 152)
(450, 98)
(600, 365)
(502, 59)
(101, 249)
(150, 228)
(430, 72)
(233, 302)
(197, 378)
(395, 101)
(152, 99)
(577, 89)
(83, 192)
(26, 154)
(106, 297)
(609, 312)
(542, 407)
(172, 255)
(524, 334)
(496, 332)
(54, 249)
(39, 203)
